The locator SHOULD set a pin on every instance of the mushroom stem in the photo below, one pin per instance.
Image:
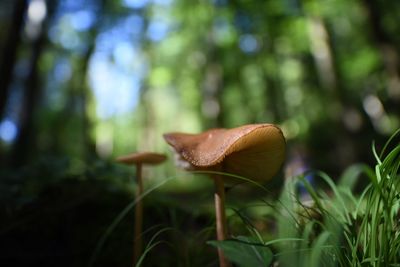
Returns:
(219, 197)
(137, 238)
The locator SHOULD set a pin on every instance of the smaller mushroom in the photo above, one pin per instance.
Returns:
(254, 151)
(139, 159)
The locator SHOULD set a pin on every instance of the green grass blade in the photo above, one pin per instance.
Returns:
(119, 218)
(389, 141)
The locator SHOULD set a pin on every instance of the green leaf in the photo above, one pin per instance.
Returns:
(245, 252)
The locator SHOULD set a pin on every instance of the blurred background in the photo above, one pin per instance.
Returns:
(82, 82)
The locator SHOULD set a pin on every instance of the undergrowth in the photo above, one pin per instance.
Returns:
(336, 224)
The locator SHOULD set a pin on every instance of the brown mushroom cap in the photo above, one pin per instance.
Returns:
(254, 151)
(142, 158)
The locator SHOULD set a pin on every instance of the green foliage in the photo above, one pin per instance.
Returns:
(245, 252)
(338, 227)
(152, 243)
(303, 65)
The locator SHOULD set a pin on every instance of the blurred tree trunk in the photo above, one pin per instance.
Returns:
(211, 105)
(274, 92)
(322, 53)
(78, 96)
(389, 51)
(212, 89)
(85, 93)
(10, 51)
(326, 64)
(87, 125)
(25, 140)
(25, 137)
(78, 99)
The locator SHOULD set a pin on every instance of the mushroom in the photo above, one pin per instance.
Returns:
(139, 159)
(254, 151)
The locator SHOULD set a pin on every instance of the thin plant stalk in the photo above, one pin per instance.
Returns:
(137, 238)
(119, 218)
(219, 197)
(138, 159)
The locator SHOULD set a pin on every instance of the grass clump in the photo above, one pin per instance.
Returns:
(338, 227)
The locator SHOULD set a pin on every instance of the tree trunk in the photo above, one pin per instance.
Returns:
(25, 140)
(85, 95)
(10, 51)
(389, 51)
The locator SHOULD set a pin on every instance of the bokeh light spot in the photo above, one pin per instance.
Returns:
(373, 106)
(248, 43)
(163, 2)
(157, 31)
(135, 3)
(37, 11)
(82, 20)
(8, 131)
